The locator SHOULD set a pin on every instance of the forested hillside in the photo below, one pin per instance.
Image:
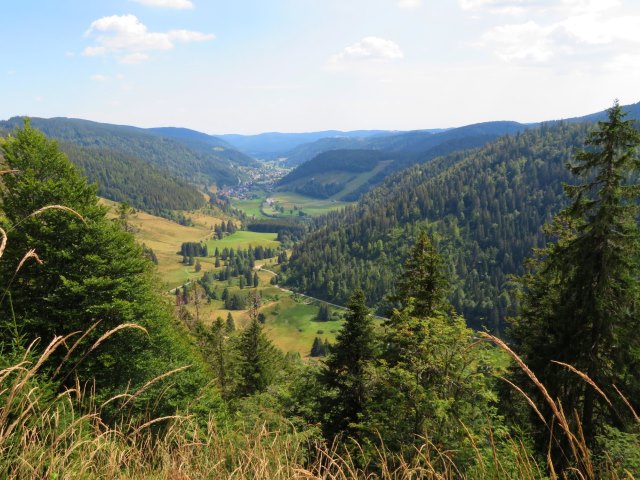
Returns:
(162, 152)
(123, 178)
(486, 207)
(205, 144)
(338, 173)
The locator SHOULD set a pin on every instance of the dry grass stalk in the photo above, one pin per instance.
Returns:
(30, 254)
(527, 398)
(152, 381)
(586, 378)
(3, 243)
(55, 207)
(75, 345)
(628, 404)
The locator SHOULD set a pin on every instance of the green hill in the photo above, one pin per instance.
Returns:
(418, 141)
(166, 153)
(486, 206)
(128, 179)
(346, 174)
(336, 174)
(205, 144)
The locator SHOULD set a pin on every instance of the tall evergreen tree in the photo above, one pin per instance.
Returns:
(581, 303)
(430, 379)
(259, 360)
(423, 282)
(345, 375)
(93, 274)
(231, 324)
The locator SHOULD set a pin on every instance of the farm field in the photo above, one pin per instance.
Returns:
(241, 240)
(164, 237)
(295, 202)
(251, 207)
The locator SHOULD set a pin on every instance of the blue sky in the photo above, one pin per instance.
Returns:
(249, 66)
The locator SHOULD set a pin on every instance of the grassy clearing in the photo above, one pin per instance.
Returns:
(291, 325)
(251, 207)
(165, 238)
(310, 206)
(243, 239)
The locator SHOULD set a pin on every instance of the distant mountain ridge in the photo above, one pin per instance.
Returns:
(273, 145)
(331, 173)
(205, 144)
(171, 154)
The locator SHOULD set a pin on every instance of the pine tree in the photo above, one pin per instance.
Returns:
(231, 324)
(580, 305)
(345, 376)
(259, 360)
(256, 280)
(424, 281)
(93, 274)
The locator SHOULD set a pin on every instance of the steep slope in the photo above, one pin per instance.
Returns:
(486, 207)
(128, 179)
(166, 153)
(327, 175)
(336, 173)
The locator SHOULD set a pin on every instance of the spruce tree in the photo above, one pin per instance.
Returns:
(345, 375)
(259, 360)
(424, 281)
(580, 304)
(93, 274)
(231, 324)
(430, 378)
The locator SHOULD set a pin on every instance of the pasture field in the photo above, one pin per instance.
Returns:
(243, 239)
(291, 324)
(251, 207)
(164, 237)
(294, 202)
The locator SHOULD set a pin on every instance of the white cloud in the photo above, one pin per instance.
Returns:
(371, 49)
(175, 4)
(560, 31)
(130, 40)
(409, 3)
(98, 77)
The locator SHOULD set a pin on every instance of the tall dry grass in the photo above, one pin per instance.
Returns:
(57, 437)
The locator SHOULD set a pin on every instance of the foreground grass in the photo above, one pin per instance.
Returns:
(49, 436)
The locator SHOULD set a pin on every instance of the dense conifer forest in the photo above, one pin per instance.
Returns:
(485, 208)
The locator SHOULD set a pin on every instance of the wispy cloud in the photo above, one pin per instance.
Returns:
(175, 4)
(369, 49)
(98, 77)
(130, 41)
